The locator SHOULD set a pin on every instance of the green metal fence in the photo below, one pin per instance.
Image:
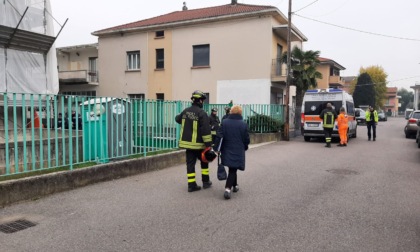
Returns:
(55, 131)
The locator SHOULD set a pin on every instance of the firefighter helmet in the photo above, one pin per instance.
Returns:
(197, 94)
(214, 110)
(208, 155)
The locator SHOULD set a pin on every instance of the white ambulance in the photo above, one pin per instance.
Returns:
(314, 101)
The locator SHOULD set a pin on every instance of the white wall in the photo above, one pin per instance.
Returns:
(255, 91)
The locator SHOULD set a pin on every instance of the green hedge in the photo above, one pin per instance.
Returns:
(264, 124)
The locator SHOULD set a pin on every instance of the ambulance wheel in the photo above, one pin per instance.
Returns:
(307, 139)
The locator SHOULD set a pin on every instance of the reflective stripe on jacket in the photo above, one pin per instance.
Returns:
(328, 116)
(195, 128)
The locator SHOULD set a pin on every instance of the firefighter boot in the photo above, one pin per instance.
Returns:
(193, 188)
(207, 184)
(328, 145)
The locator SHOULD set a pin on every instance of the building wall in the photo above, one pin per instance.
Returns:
(325, 71)
(239, 51)
(160, 81)
(115, 80)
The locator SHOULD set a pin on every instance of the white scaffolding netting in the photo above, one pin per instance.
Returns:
(24, 71)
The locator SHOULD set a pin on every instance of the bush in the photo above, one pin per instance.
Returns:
(264, 124)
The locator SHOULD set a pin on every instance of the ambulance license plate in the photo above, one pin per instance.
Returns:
(312, 124)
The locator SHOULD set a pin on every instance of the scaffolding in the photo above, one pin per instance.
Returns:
(28, 62)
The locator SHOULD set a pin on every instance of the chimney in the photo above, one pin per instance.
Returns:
(184, 8)
(234, 2)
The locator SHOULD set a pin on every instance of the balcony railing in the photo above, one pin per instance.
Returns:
(78, 77)
(278, 70)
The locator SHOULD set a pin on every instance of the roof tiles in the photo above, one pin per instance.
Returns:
(194, 14)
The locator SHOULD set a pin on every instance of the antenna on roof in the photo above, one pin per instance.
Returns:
(234, 2)
(185, 6)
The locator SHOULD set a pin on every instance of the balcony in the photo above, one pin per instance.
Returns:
(336, 81)
(278, 71)
(78, 77)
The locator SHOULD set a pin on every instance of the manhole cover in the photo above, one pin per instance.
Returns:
(343, 172)
(15, 226)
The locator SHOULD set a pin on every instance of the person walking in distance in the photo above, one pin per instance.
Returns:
(371, 122)
(195, 137)
(233, 139)
(328, 116)
(214, 123)
(227, 111)
(342, 123)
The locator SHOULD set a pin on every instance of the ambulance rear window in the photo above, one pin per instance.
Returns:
(315, 107)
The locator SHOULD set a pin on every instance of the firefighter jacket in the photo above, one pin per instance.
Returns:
(214, 123)
(195, 128)
(328, 117)
(370, 118)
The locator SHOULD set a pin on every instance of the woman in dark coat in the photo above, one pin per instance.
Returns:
(234, 138)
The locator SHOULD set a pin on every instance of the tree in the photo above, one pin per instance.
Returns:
(364, 92)
(378, 76)
(304, 74)
(406, 98)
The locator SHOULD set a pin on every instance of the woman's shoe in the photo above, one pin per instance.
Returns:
(235, 188)
(227, 194)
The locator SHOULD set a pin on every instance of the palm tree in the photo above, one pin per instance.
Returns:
(304, 74)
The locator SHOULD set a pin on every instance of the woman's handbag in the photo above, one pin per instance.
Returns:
(221, 171)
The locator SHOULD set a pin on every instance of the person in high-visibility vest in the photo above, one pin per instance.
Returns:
(371, 122)
(195, 137)
(328, 116)
(342, 123)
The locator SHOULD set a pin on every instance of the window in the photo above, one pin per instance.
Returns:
(133, 60)
(201, 55)
(207, 101)
(160, 59)
(160, 34)
(160, 96)
(93, 73)
(136, 96)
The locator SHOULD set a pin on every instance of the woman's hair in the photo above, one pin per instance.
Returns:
(236, 109)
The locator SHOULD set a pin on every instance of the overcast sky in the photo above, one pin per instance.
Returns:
(337, 40)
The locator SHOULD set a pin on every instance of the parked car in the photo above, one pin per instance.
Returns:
(360, 116)
(418, 134)
(382, 116)
(411, 127)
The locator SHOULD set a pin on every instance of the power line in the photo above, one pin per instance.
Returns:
(306, 6)
(378, 83)
(352, 29)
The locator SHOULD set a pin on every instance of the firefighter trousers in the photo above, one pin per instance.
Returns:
(192, 156)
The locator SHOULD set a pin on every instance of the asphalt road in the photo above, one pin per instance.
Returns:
(294, 196)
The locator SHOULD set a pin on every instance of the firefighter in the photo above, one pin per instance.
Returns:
(342, 123)
(328, 116)
(214, 123)
(195, 137)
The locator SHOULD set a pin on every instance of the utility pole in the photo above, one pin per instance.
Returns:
(288, 71)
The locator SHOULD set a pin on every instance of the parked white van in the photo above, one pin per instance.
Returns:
(314, 101)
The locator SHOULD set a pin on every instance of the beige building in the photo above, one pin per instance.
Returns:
(77, 69)
(230, 52)
(330, 71)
